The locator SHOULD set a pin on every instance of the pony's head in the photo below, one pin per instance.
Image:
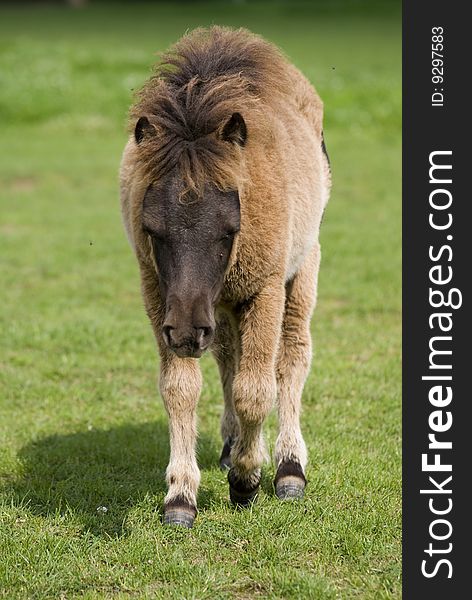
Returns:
(191, 136)
(191, 238)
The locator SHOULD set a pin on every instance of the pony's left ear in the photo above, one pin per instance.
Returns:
(235, 130)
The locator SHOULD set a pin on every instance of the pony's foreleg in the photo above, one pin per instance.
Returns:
(293, 365)
(180, 384)
(254, 387)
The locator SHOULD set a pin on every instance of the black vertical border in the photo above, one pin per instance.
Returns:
(426, 129)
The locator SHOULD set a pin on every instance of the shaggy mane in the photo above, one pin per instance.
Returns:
(196, 87)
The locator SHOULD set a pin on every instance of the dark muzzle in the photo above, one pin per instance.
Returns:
(189, 327)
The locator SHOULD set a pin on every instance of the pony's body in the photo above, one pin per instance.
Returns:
(231, 115)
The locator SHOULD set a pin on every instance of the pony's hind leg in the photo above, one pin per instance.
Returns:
(293, 365)
(226, 351)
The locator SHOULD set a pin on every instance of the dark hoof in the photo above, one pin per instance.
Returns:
(179, 512)
(225, 458)
(242, 498)
(240, 493)
(290, 490)
(289, 481)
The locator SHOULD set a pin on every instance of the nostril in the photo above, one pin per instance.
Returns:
(206, 331)
(202, 335)
(167, 334)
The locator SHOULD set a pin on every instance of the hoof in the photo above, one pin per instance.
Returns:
(289, 481)
(242, 498)
(239, 493)
(179, 512)
(225, 458)
(290, 490)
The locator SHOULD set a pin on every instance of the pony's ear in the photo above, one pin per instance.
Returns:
(235, 130)
(143, 129)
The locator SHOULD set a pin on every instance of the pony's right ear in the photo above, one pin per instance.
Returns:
(143, 129)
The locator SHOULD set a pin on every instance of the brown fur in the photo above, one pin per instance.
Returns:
(198, 84)
(262, 343)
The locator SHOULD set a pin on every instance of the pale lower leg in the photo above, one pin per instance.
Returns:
(180, 385)
(254, 398)
(292, 370)
(293, 365)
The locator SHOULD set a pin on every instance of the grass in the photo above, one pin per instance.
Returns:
(81, 426)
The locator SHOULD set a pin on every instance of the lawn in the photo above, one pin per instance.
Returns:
(83, 434)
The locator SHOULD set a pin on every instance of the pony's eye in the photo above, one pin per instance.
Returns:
(227, 237)
(229, 234)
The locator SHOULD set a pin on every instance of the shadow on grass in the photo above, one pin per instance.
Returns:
(99, 476)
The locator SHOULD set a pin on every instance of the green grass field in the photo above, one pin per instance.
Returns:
(81, 424)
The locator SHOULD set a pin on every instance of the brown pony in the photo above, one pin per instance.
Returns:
(223, 185)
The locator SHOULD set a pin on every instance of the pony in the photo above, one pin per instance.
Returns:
(224, 180)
